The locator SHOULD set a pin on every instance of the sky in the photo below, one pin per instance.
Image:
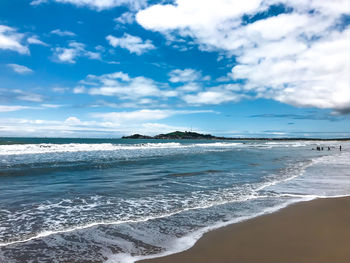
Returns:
(107, 68)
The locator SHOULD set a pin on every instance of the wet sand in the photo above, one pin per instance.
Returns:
(317, 231)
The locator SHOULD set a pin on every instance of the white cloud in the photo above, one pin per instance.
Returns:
(125, 18)
(141, 91)
(79, 90)
(62, 33)
(11, 40)
(316, 77)
(8, 108)
(140, 103)
(74, 127)
(132, 43)
(74, 50)
(32, 97)
(51, 106)
(216, 95)
(98, 4)
(20, 69)
(111, 123)
(73, 121)
(300, 57)
(151, 128)
(60, 89)
(38, 2)
(189, 87)
(123, 86)
(133, 116)
(17, 94)
(137, 87)
(34, 40)
(210, 97)
(186, 75)
(142, 115)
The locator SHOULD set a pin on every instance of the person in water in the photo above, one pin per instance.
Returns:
(340, 148)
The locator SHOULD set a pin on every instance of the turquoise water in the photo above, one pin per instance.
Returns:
(113, 200)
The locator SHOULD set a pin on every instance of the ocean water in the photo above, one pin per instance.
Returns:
(114, 200)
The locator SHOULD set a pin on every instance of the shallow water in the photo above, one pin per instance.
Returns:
(90, 200)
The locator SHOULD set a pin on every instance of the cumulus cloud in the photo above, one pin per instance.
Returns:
(28, 96)
(60, 89)
(62, 33)
(7, 108)
(142, 115)
(38, 2)
(51, 106)
(124, 87)
(10, 39)
(132, 43)
(299, 56)
(125, 18)
(97, 4)
(73, 126)
(133, 92)
(216, 95)
(20, 69)
(73, 51)
(133, 116)
(11, 95)
(185, 75)
(34, 40)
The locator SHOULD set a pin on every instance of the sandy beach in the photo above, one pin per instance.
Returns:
(316, 231)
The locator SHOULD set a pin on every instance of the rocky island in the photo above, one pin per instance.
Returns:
(187, 135)
(177, 135)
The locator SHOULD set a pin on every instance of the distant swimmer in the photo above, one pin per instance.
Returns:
(329, 148)
(340, 148)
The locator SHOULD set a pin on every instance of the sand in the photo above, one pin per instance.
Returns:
(316, 231)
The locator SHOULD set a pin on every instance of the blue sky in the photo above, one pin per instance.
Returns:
(106, 68)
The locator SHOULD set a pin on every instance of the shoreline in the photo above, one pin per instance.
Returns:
(313, 231)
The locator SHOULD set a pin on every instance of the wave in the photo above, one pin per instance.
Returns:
(186, 242)
(173, 203)
(117, 222)
(17, 149)
(60, 219)
(42, 148)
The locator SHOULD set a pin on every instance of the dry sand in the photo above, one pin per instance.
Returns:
(312, 232)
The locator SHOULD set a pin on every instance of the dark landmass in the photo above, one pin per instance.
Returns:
(137, 136)
(178, 135)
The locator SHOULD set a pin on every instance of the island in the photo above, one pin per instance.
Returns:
(177, 135)
(189, 135)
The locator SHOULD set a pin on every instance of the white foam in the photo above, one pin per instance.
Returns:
(197, 200)
(17, 149)
(188, 241)
(203, 205)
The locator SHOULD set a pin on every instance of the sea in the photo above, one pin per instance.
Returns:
(122, 200)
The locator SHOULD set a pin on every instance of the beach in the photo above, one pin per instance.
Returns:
(313, 231)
